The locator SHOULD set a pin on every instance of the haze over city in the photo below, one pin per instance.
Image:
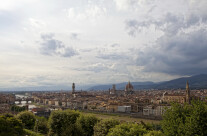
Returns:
(51, 44)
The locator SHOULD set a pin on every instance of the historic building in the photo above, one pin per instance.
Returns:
(73, 88)
(113, 90)
(167, 98)
(180, 98)
(7, 98)
(129, 89)
(187, 93)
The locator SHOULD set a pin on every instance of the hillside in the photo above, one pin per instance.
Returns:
(196, 82)
(119, 86)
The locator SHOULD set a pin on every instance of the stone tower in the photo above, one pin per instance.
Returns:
(114, 88)
(73, 88)
(187, 93)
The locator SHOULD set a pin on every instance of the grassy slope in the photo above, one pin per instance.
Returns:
(32, 133)
(121, 118)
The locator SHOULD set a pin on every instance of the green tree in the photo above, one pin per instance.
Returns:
(62, 123)
(187, 120)
(28, 132)
(10, 126)
(127, 130)
(151, 126)
(27, 118)
(102, 127)
(196, 120)
(85, 124)
(17, 108)
(7, 115)
(154, 133)
(172, 118)
(41, 125)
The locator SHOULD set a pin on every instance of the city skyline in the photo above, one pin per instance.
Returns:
(55, 43)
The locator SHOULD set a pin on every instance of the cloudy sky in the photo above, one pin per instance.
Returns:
(57, 42)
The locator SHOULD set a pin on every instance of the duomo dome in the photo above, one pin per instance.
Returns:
(129, 86)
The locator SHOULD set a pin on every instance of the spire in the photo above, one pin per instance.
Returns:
(187, 95)
(187, 85)
(73, 87)
(129, 83)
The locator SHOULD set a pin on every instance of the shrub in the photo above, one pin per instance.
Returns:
(31, 133)
(10, 126)
(85, 124)
(27, 118)
(41, 125)
(127, 130)
(63, 123)
(185, 119)
(154, 133)
(102, 127)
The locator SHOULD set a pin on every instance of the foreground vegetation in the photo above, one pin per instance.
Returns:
(179, 120)
(186, 120)
(121, 118)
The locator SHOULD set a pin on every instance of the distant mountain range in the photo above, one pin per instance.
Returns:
(196, 82)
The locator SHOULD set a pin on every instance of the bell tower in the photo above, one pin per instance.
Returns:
(114, 89)
(73, 88)
(187, 93)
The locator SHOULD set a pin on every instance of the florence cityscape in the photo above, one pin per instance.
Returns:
(103, 68)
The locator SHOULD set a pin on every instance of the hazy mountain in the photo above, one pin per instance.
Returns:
(47, 88)
(197, 81)
(119, 86)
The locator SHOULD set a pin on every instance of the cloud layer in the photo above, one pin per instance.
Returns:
(183, 54)
(94, 42)
(180, 50)
(51, 46)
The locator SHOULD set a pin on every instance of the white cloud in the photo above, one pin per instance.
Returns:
(51, 46)
(88, 12)
(94, 41)
(36, 23)
(134, 5)
(126, 4)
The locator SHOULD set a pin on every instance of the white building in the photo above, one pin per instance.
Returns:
(124, 109)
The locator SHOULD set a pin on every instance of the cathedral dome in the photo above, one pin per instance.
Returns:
(129, 86)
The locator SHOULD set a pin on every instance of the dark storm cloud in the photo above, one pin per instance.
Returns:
(183, 54)
(51, 46)
(169, 23)
(181, 49)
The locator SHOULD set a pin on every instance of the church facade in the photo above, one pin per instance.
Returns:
(129, 89)
(180, 98)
